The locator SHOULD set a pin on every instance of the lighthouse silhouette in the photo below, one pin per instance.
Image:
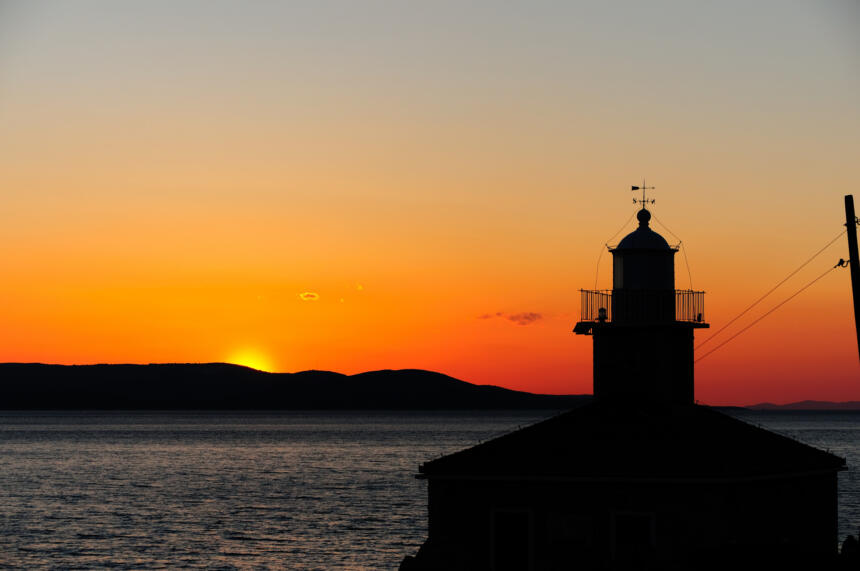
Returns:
(643, 328)
(641, 477)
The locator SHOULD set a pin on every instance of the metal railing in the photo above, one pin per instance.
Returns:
(630, 306)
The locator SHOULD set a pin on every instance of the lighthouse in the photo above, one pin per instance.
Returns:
(641, 477)
(642, 328)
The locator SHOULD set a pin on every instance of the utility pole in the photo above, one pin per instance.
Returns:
(853, 261)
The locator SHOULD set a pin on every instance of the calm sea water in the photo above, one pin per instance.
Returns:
(259, 490)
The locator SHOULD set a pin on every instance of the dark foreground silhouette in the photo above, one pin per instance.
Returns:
(623, 485)
(220, 386)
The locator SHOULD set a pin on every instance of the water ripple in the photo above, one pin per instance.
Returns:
(256, 490)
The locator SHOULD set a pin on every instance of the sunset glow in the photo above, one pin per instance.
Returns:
(252, 358)
(377, 186)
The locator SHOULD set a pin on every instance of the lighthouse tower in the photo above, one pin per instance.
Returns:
(642, 328)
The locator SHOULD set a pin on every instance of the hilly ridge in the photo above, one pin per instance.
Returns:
(222, 386)
(808, 405)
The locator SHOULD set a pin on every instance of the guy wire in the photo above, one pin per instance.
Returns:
(683, 248)
(606, 244)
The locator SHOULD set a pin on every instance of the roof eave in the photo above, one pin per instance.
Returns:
(635, 479)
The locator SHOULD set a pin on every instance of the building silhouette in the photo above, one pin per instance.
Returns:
(642, 477)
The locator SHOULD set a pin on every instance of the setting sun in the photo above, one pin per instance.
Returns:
(252, 358)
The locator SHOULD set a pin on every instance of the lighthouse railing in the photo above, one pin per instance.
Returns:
(631, 306)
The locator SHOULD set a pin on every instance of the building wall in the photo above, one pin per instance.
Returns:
(643, 363)
(617, 525)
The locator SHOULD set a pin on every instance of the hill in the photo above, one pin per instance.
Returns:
(221, 386)
(808, 405)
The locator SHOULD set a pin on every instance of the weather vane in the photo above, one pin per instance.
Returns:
(643, 201)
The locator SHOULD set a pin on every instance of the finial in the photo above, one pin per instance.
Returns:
(643, 201)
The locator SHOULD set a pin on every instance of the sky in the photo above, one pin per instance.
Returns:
(354, 186)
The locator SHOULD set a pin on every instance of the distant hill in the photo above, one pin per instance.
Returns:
(808, 405)
(221, 386)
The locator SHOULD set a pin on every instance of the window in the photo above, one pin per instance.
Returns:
(571, 529)
(511, 540)
(633, 536)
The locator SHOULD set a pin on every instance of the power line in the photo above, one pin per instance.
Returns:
(774, 308)
(770, 291)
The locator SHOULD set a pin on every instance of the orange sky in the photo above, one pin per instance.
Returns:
(175, 177)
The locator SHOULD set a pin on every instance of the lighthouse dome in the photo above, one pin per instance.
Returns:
(643, 260)
(643, 238)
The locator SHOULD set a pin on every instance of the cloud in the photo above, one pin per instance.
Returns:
(309, 296)
(526, 318)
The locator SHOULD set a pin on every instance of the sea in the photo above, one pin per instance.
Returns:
(263, 490)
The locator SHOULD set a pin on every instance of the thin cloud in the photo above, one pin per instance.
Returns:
(309, 296)
(526, 318)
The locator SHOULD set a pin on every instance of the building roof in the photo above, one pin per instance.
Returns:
(610, 440)
(643, 238)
